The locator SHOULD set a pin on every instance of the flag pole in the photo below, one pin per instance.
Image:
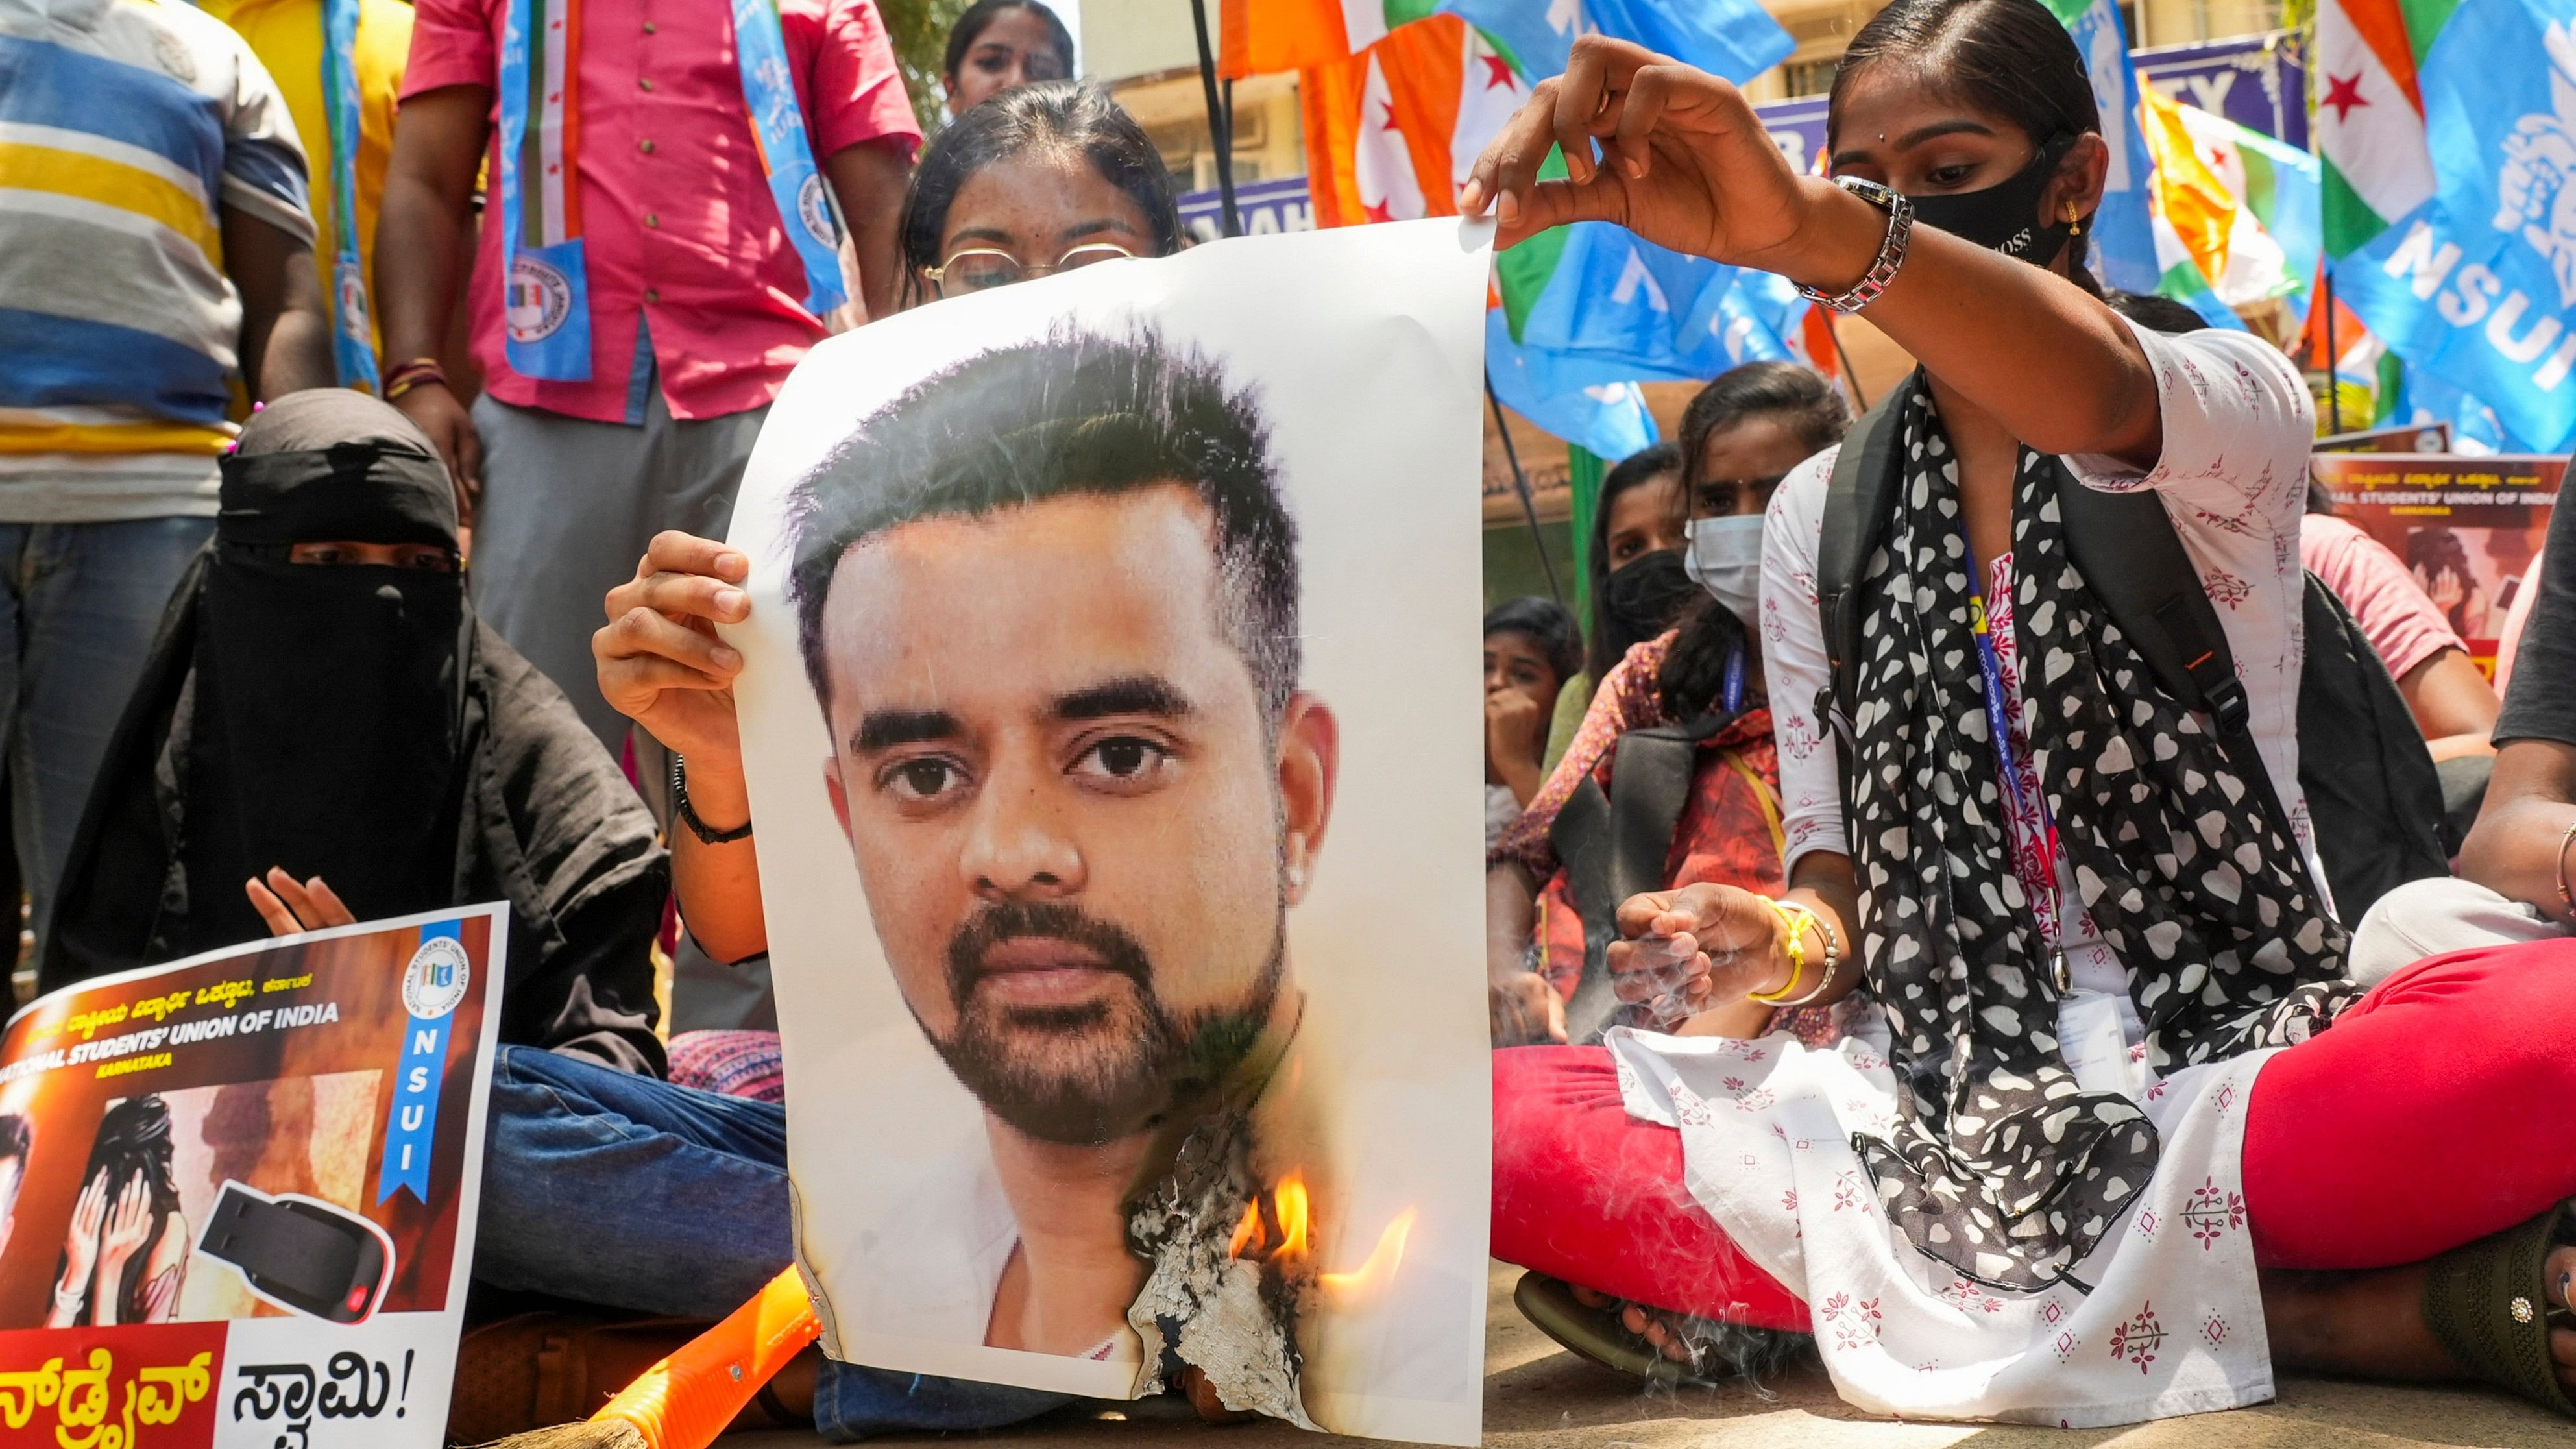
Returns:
(1520, 484)
(2334, 394)
(1220, 122)
(1851, 379)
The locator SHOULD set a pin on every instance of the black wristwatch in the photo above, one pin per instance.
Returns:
(706, 834)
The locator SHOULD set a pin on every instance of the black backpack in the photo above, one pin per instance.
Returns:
(2373, 795)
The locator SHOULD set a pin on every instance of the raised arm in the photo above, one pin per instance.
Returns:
(661, 664)
(1685, 163)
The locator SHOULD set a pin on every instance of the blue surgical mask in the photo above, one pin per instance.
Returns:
(1724, 556)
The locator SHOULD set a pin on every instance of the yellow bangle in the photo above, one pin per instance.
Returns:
(1797, 953)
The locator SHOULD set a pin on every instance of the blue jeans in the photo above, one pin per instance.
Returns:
(79, 603)
(604, 1187)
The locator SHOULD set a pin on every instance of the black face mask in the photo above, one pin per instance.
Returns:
(1643, 597)
(1999, 217)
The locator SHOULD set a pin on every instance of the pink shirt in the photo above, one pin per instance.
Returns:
(2394, 612)
(681, 233)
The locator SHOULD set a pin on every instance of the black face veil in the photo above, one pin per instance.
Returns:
(321, 728)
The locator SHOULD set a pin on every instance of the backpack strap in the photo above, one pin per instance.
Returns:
(1859, 499)
(1614, 845)
(2125, 546)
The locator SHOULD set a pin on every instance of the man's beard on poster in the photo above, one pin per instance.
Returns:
(1098, 1070)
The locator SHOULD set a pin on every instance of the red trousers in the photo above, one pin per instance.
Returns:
(2440, 1109)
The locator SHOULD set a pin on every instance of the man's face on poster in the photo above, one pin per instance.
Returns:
(1073, 823)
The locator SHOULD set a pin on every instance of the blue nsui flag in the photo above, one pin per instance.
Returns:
(434, 985)
(2476, 286)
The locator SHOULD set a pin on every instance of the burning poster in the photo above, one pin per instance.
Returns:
(237, 1193)
(2466, 527)
(1110, 713)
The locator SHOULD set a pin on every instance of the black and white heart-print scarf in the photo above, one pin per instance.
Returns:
(2000, 1165)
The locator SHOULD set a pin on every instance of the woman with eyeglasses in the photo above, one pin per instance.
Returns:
(1039, 179)
(1739, 435)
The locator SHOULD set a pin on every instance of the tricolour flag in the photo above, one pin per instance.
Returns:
(2194, 214)
(2449, 136)
(2369, 124)
(2275, 242)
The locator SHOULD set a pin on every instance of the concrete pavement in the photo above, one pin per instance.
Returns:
(1537, 1396)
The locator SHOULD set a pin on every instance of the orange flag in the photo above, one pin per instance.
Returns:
(1263, 36)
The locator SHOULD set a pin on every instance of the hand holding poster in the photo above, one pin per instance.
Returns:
(237, 1193)
(1108, 708)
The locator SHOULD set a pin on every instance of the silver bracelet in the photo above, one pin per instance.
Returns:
(1891, 252)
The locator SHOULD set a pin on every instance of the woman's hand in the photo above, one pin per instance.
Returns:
(128, 1228)
(2443, 588)
(660, 663)
(1525, 1009)
(1699, 947)
(1685, 164)
(290, 909)
(80, 1247)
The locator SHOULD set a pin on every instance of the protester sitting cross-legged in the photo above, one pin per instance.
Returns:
(2121, 1097)
(670, 1200)
(1531, 650)
(1739, 435)
(325, 731)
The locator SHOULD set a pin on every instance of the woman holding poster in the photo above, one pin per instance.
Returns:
(2122, 1091)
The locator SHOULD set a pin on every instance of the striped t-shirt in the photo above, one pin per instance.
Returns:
(125, 127)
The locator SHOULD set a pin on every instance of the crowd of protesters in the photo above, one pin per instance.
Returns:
(1915, 793)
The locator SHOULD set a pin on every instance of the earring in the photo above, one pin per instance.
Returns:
(2074, 222)
(1296, 876)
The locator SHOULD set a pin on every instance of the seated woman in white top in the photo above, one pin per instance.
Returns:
(2122, 1087)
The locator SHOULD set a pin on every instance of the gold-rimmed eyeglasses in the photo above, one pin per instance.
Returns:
(980, 269)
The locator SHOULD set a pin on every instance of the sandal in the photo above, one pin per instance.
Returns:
(2487, 1304)
(1597, 1334)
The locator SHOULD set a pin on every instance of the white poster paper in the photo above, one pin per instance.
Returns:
(1111, 709)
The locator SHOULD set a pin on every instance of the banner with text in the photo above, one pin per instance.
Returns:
(2467, 528)
(237, 1193)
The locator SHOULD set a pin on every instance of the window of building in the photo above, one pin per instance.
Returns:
(1811, 77)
